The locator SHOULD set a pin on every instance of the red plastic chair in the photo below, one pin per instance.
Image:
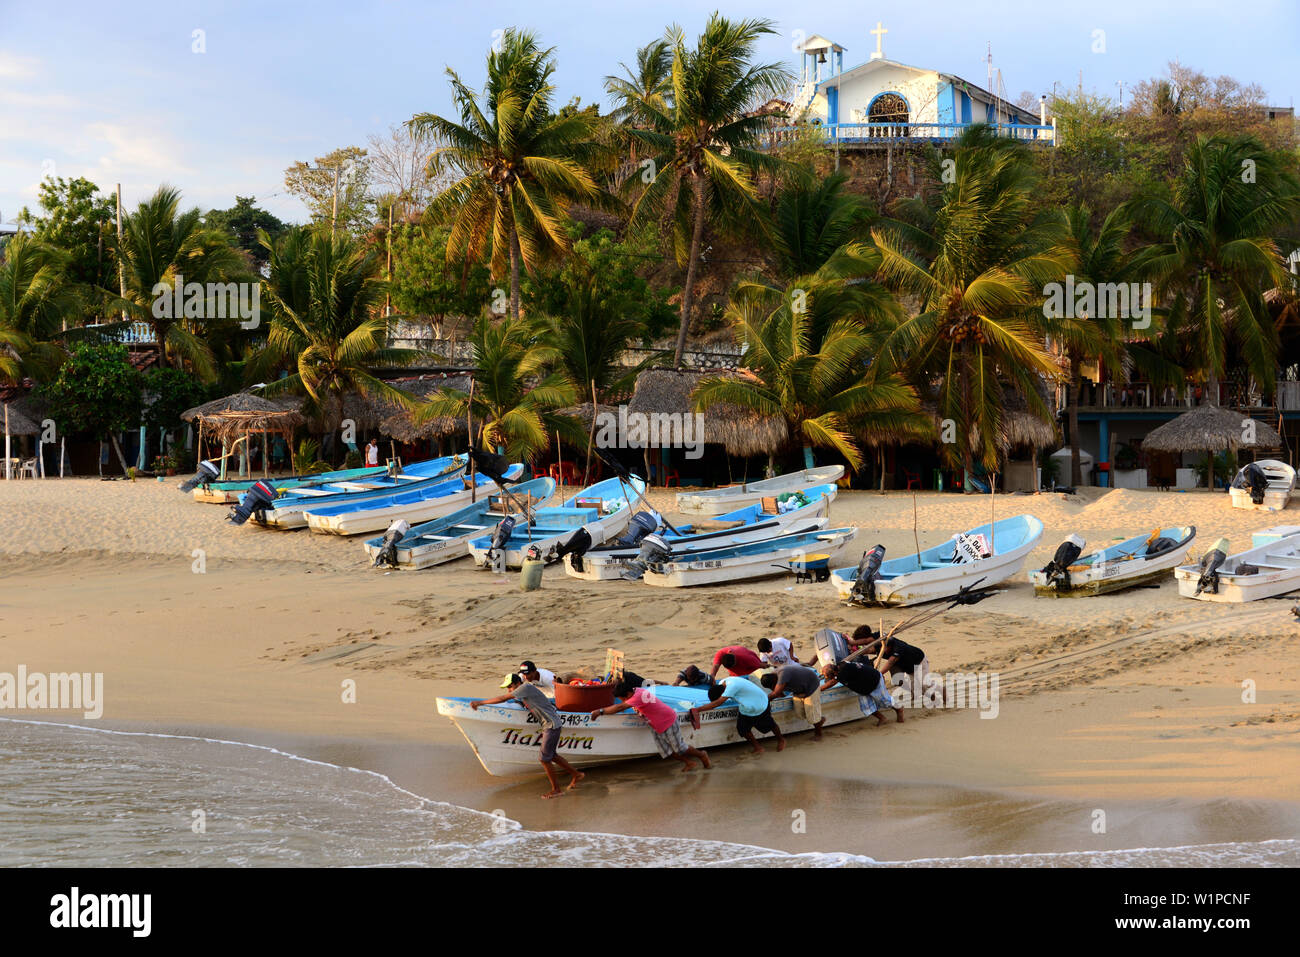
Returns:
(913, 479)
(672, 478)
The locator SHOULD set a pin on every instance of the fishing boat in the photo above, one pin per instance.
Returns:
(1264, 486)
(288, 509)
(989, 554)
(1137, 561)
(1263, 571)
(446, 539)
(749, 524)
(719, 500)
(603, 510)
(422, 502)
(752, 560)
(228, 493)
(506, 738)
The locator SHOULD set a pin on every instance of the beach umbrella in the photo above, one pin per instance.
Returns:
(1210, 429)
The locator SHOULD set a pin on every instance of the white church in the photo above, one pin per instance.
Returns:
(889, 101)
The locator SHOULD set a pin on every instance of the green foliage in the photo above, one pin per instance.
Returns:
(1224, 468)
(35, 300)
(1126, 457)
(307, 457)
(168, 393)
(813, 218)
(97, 390)
(79, 221)
(352, 460)
(180, 458)
(242, 222)
(426, 283)
(313, 183)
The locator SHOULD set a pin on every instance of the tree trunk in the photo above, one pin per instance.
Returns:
(965, 439)
(688, 290)
(514, 274)
(1076, 468)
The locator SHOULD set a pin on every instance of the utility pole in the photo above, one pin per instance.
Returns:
(388, 294)
(121, 276)
(334, 217)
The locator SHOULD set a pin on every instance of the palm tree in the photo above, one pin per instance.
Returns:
(520, 165)
(810, 361)
(327, 323)
(702, 140)
(1217, 252)
(645, 91)
(976, 261)
(589, 338)
(513, 399)
(35, 302)
(812, 219)
(1097, 257)
(160, 244)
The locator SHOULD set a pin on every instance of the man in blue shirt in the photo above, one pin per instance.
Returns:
(755, 710)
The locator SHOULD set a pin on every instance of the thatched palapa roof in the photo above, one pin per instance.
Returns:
(1209, 428)
(246, 413)
(242, 402)
(401, 424)
(24, 416)
(738, 430)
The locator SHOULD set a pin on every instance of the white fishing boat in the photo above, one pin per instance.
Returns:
(719, 500)
(603, 510)
(1264, 486)
(1139, 560)
(989, 555)
(1264, 571)
(422, 503)
(447, 538)
(286, 510)
(752, 560)
(506, 738)
(749, 524)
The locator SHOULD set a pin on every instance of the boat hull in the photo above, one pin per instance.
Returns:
(718, 501)
(1112, 576)
(377, 519)
(607, 567)
(506, 739)
(702, 570)
(1278, 565)
(289, 512)
(947, 580)
(1274, 500)
(228, 493)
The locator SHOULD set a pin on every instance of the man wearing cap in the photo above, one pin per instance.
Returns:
(539, 676)
(548, 719)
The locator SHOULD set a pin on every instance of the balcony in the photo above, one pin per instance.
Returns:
(1142, 396)
(135, 334)
(883, 134)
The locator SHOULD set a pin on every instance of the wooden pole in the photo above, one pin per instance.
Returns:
(469, 427)
(915, 538)
(559, 455)
(63, 449)
(8, 465)
(993, 482)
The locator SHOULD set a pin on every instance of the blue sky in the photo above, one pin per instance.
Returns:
(115, 93)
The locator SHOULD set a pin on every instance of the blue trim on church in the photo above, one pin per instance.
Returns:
(832, 105)
(888, 93)
(946, 104)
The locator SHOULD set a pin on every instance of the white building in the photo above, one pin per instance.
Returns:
(890, 101)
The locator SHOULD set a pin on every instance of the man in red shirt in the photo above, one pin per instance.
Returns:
(663, 721)
(737, 659)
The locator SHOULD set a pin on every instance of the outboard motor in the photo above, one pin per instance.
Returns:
(1257, 481)
(832, 646)
(256, 499)
(1210, 562)
(576, 546)
(500, 536)
(864, 582)
(206, 474)
(1058, 569)
(642, 524)
(490, 464)
(654, 551)
(388, 550)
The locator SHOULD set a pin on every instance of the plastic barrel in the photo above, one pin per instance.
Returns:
(530, 576)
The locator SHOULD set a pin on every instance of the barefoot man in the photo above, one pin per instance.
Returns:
(864, 680)
(543, 709)
(805, 685)
(755, 710)
(663, 722)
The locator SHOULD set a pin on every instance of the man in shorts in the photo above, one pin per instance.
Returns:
(662, 719)
(909, 664)
(805, 685)
(755, 710)
(548, 719)
(864, 680)
(737, 659)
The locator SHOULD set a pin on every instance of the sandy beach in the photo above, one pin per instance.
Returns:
(1131, 704)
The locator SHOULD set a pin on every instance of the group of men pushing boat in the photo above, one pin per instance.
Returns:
(754, 679)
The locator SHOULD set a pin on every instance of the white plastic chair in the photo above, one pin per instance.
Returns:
(28, 467)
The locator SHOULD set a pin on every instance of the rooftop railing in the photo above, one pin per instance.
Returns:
(868, 134)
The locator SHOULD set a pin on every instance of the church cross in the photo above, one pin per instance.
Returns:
(879, 34)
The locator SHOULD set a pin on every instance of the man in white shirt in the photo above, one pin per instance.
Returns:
(775, 652)
(539, 676)
(372, 453)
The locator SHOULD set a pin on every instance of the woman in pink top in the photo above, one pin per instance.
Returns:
(663, 721)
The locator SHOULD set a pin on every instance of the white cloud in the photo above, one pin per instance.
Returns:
(14, 67)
